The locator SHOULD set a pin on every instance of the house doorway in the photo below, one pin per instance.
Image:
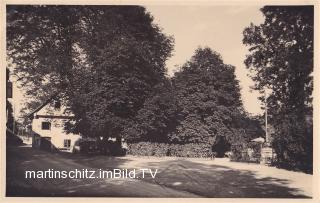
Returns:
(46, 143)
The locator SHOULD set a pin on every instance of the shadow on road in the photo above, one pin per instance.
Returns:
(21, 159)
(180, 175)
(220, 181)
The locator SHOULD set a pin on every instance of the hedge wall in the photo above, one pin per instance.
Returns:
(163, 149)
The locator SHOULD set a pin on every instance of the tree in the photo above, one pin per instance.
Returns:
(41, 44)
(201, 105)
(103, 60)
(208, 95)
(281, 59)
(157, 119)
(126, 54)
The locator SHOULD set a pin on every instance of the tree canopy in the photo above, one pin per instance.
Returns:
(208, 95)
(200, 104)
(107, 65)
(103, 60)
(281, 59)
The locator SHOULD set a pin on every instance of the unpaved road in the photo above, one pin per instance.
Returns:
(176, 177)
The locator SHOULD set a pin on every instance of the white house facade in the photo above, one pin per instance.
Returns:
(48, 128)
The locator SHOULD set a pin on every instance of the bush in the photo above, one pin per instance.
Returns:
(236, 154)
(164, 149)
(240, 153)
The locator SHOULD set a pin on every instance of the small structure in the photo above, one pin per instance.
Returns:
(267, 153)
(48, 127)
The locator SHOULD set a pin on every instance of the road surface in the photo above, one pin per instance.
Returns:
(176, 177)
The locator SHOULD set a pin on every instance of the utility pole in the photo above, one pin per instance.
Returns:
(266, 115)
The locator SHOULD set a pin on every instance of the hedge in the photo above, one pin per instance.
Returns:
(164, 149)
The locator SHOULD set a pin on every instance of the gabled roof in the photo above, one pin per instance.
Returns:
(42, 105)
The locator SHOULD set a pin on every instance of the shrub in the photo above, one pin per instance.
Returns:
(164, 149)
(240, 153)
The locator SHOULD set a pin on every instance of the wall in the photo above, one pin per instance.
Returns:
(56, 132)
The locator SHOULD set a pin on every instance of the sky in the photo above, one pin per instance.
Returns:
(219, 27)
(216, 26)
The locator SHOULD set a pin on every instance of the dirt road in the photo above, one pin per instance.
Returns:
(176, 177)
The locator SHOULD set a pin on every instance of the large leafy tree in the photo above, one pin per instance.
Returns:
(200, 104)
(126, 54)
(102, 60)
(40, 42)
(208, 96)
(281, 60)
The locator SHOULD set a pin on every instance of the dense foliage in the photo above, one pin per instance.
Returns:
(209, 97)
(107, 65)
(281, 60)
(126, 53)
(211, 109)
(39, 44)
(200, 104)
(156, 121)
(165, 149)
(104, 61)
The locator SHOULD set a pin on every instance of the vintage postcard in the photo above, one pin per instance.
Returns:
(151, 99)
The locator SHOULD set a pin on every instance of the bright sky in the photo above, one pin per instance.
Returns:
(218, 27)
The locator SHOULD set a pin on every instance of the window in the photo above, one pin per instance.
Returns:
(57, 104)
(67, 143)
(46, 126)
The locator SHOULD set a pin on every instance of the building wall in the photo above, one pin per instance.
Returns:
(55, 132)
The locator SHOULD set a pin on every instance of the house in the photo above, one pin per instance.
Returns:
(48, 127)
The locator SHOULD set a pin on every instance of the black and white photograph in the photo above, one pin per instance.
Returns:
(159, 100)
